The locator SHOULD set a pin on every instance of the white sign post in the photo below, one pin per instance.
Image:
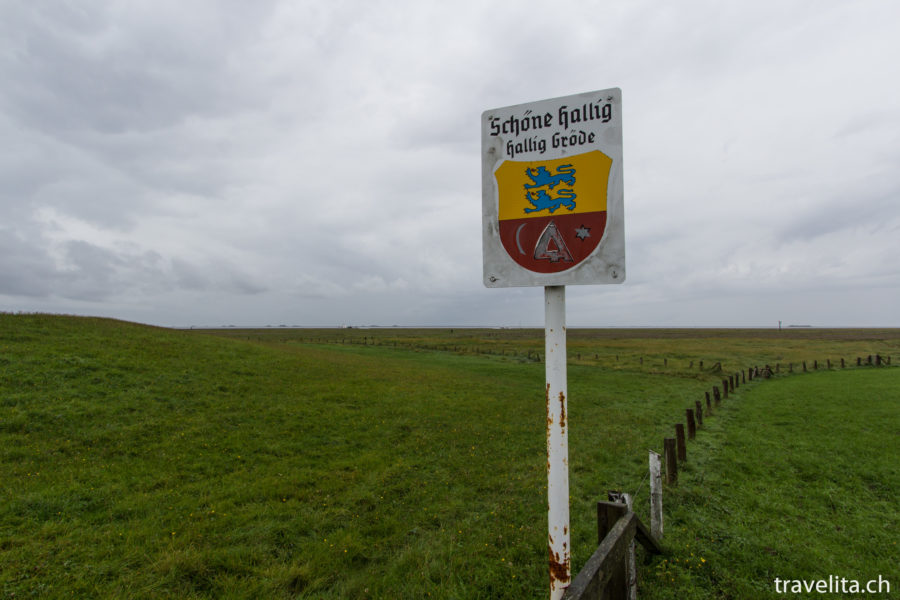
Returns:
(552, 215)
(558, 542)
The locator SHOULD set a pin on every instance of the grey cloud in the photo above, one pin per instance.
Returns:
(25, 267)
(88, 272)
(869, 205)
(76, 69)
(112, 86)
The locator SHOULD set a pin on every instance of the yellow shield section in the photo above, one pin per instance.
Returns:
(583, 177)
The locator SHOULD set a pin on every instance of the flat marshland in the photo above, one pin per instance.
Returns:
(139, 462)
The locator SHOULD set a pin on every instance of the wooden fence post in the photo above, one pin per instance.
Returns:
(724, 389)
(656, 509)
(680, 446)
(708, 403)
(671, 461)
(607, 515)
(699, 412)
(630, 566)
(716, 395)
(691, 424)
(842, 363)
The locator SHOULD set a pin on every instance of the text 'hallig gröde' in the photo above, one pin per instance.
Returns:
(530, 123)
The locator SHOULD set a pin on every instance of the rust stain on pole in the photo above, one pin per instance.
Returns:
(559, 571)
(549, 428)
(562, 411)
(549, 416)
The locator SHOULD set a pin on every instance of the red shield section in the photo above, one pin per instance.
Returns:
(553, 243)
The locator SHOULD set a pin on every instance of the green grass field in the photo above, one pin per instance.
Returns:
(797, 480)
(138, 462)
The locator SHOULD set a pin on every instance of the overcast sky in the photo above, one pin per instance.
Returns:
(318, 163)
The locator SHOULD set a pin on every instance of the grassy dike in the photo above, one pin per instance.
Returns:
(138, 462)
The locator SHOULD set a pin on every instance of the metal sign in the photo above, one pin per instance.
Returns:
(552, 192)
(551, 174)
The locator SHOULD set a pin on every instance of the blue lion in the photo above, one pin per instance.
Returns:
(541, 177)
(541, 200)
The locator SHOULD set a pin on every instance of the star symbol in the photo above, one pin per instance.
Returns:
(583, 232)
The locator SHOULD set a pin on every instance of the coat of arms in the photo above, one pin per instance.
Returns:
(552, 213)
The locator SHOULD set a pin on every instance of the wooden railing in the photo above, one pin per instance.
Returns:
(607, 575)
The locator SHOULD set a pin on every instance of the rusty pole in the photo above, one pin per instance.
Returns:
(557, 440)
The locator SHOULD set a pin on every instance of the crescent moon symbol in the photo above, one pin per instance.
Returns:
(518, 243)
